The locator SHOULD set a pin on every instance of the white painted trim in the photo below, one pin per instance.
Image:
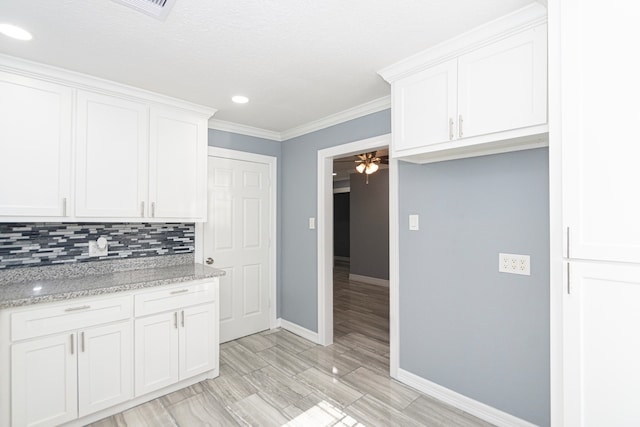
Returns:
(527, 17)
(77, 80)
(325, 237)
(471, 406)
(361, 110)
(394, 271)
(299, 330)
(369, 280)
(278, 323)
(244, 129)
(273, 201)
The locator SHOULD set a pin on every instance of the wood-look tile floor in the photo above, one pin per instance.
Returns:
(276, 378)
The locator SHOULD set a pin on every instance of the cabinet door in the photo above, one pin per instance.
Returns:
(44, 381)
(156, 352)
(178, 156)
(111, 156)
(503, 86)
(424, 107)
(35, 147)
(600, 151)
(198, 340)
(105, 367)
(602, 349)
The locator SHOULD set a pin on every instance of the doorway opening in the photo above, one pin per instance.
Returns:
(326, 240)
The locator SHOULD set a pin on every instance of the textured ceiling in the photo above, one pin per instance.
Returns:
(298, 60)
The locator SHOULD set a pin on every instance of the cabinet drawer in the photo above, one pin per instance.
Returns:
(74, 315)
(174, 298)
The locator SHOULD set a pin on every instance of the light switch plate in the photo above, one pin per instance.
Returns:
(312, 223)
(414, 222)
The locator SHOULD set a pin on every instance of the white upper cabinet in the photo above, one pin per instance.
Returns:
(483, 92)
(424, 107)
(35, 147)
(111, 156)
(503, 86)
(177, 187)
(75, 148)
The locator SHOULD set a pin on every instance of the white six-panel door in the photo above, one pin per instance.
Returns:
(236, 237)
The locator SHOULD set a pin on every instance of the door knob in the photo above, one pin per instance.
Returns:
(209, 261)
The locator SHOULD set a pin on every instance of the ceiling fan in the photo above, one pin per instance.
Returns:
(368, 163)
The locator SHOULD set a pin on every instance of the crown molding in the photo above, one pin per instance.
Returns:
(340, 117)
(361, 110)
(520, 20)
(24, 67)
(244, 130)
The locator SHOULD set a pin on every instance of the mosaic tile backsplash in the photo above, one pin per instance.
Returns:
(41, 244)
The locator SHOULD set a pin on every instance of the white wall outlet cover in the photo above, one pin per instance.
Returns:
(99, 247)
(514, 264)
(312, 223)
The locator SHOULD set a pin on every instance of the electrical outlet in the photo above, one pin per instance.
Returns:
(514, 264)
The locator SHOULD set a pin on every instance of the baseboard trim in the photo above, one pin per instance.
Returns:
(471, 406)
(369, 280)
(299, 330)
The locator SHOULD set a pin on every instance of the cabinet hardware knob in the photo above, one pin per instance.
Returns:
(460, 126)
(72, 341)
(82, 341)
(209, 261)
(153, 209)
(450, 129)
(142, 209)
(182, 315)
(64, 206)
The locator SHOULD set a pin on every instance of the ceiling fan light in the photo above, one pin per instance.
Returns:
(360, 168)
(371, 168)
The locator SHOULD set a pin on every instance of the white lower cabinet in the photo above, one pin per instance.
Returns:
(74, 363)
(44, 388)
(174, 345)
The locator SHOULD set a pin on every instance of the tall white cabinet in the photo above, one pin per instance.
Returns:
(597, 156)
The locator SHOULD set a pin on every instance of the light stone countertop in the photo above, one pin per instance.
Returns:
(41, 287)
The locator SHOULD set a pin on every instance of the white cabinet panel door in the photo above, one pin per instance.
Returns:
(503, 86)
(111, 156)
(425, 107)
(35, 147)
(44, 381)
(178, 153)
(601, 152)
(198, 340)
(105, 367)
(602, 345)
(156, 352)
(237, 238)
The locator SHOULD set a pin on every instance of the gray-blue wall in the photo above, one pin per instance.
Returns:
(463, 324)
(299, 285)
(267, 147)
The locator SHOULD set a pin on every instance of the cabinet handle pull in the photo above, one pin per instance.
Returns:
(153, 209)
(82, 307)
(460, 126)
(72, 345)
(182, 320)
(175, 319)
(181, 291)
(142, 209)
(568, 242)
(82, 341)
(64, 206)
(450, 129)
(568, 279)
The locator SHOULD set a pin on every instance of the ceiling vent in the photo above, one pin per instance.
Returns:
(159, 9)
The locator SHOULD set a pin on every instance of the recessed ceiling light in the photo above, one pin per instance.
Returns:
(239, 99)
(15, 32)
